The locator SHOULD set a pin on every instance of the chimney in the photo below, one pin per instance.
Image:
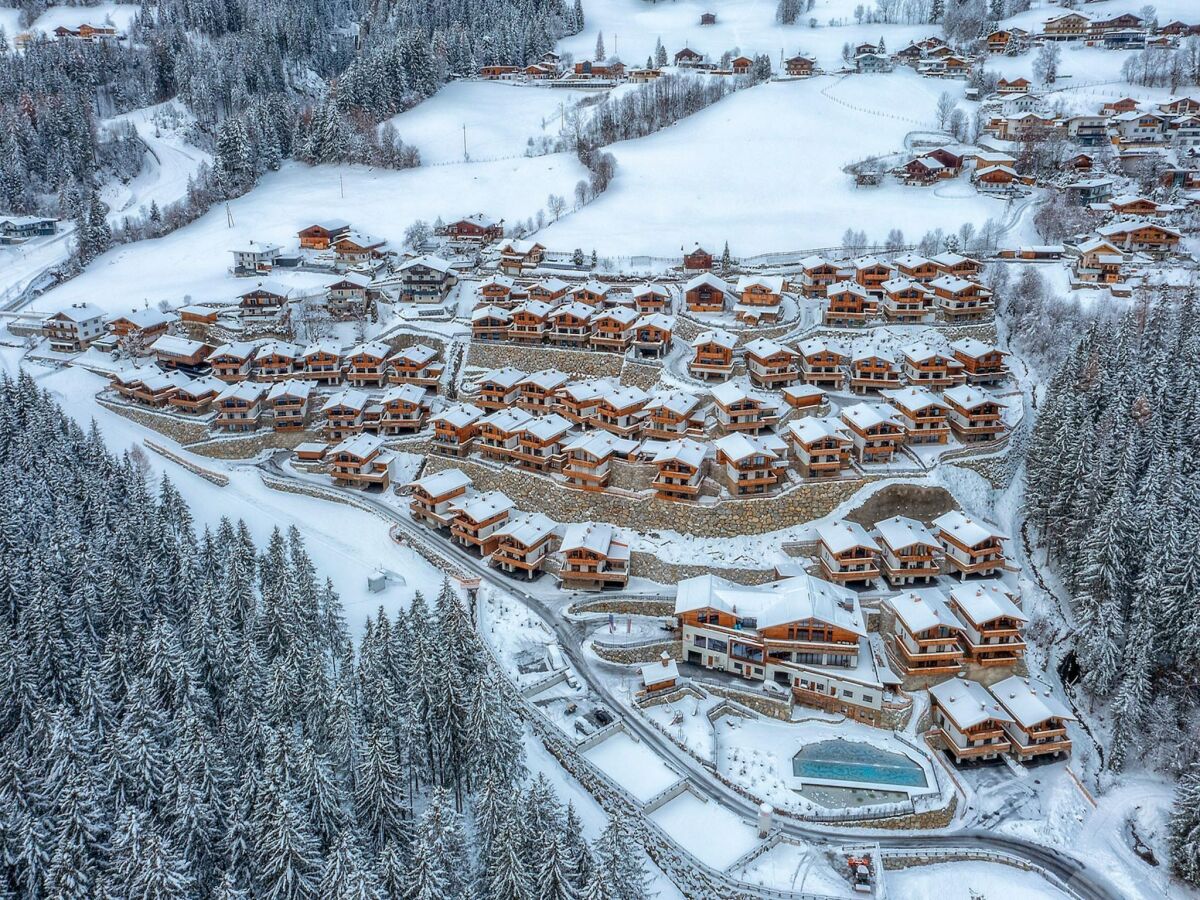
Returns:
(666, 659)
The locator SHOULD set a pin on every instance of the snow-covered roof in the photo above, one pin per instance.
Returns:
(657, 290)
(600, 444)
(846, 287)
(436, 263)
(842, 535)
(483, 506)
(679, 402)
(968, 703)
(659, 671)
(355, 278)
(508, 420)
(771, 283)
(776, 603)
(973, 347)
(812, 428)
(352, 398)
(923, 608)
(459, 416)
(655, 320)
(911, 398)
(599, 537)
(920, 352)
(623, 396)
(526, 528)
(765, 347)
(868, 415)
(236, 349)
(622, 315)
(360, 445)
(971, 532)
(250, 391)
(815, 345)
(441, 483)
(148, 317)
(175, 345)
(498, 281)
(952, 259)
(728, 392)
(965, 396)
(574, 308)
(952, 283)
(911, 260)
(550, 285)
(803, 391)
(293, 387)
(899, 532)
(546, 379)
(1029, 702)
(812, 262)
(594, 287)
(715, 336)
(738, 446)
(327, 348)
(546, 428)
(375, 349)
(490, 312)
(269, 286)
(872, 349)
(683, 450)
(709, 279)
(983, 601)
(408, 393)
(418, 354)
(506, 377)
(205, 384)
(537, 308)
(285, 349)
(895, 285)
(1132, 225)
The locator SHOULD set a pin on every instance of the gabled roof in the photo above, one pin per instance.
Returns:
(410, 393)
(279, 348)
(868, 415)
(600, 444)
(508, 420)
(842, 535)
(328, 348)
(293, 387)
(441, 483)
(547, 428)
(483, 506)
(983, 601)
(657, 290)
(351, 398)
(1029, 702)
(148, 317)
(683, 450)
(899, 532)
(360, 445)
(436, 263)
(419, 354)
(968, 703)
(772, 283)
(459, 416)
(967, 397)
(268, 286)
(236, 349)
(176, 345)
(971, 532)
(537, 308)
(377, 349)
(526, 528)
(715, 336)
(507, 377)
(765, 347)
(599, 537)
(490, 312)
(814, 428)
(920, 609)
(679, 402)
(547, 379)
(973, 347)
(776, 603)
(738, 446)
(243, 390)
(911, 398)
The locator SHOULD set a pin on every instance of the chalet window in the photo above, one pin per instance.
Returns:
(699, 640)
(719, 646)
(838, 659)
(747, 622)
(868, 698)
(812, 659)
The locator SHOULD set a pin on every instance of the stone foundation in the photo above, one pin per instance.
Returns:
(647, 565)
(639, 655)
(582, 363)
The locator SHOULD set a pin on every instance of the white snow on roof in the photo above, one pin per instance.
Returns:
(911, 398)
(738, 446)
(899, 532)
(596, 536)
(479, 507)
(765, 347)
(983, 601)
(441, 483)
(490, 312)
(526, 528)
(968, 703)
(683, 450)
(410, 393)
(659, 671)
(715, 336)
(728, 392)
(811, 429)
(967, 397)
(508, 420)
(546, 428)
(868, 415)
(840, 536)
(972, 347)
(236, 349)
(546, 379)
(506, 377)
(778, 602)
(417, 354)
(679, 402)
(772, 283)
(1029, 702)
(971, 532)
(459, 416)
(923, 608)
(291, 388)
(376, 349)
(360, 445)
(707, 278)
(243, 390)
(176, 346)
(348, 397)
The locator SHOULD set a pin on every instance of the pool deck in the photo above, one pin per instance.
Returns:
(796, 782)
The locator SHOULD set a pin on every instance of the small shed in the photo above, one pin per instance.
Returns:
(708, 18)
(661, 675)
(377, 582)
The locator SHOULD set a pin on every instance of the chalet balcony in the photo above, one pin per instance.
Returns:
(676, 486)
(974, 751)
(911, 569)
(1029, 751)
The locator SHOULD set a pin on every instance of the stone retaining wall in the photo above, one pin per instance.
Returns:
(729, 518)
(623, 606)
(640, 654)
(760, 703)
(245, 446)
(583, 363)
(647, 565)
(181, 432)
(641, 375)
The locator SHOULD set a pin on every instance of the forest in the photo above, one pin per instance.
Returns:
(185, 716)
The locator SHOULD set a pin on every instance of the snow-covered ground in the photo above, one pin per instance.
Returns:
(796, 867)
(120, 14)
(632, 765)
(970, 881)
(762, 169)
(710, 832)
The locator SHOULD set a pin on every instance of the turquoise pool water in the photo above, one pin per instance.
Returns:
(842, 760)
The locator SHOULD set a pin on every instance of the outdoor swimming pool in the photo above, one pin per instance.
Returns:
(842, 760)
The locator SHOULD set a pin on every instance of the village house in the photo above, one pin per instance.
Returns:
(476, 229)
(652, 335)
(923, 416)
(348, 295)
(196, 314)
(140, 327)
(712, 355)
(968, 720)
(72, 329)
(591, 293)
(612, 329)
(276, 360)
(498, 290)
(672, 415)
(981, 363)
(477, 517)
(804, 397)
(816, 275)
(433, 498)
(426, 279)
(996, 179)
(1038, 719)
(1099, 262)
(362, 461)
(870, 273)
(498, 433)
(875, 430)
(405, 407)
(736, 409)
(906, 301)
(197, 395)
(847, 554)
(287, 402)
(741, 65)
(821, 446)
(1137, 126)
(540, 442)
(233, 361)
(799, 66)
(922, 170)
(577, 400)
(873, 369)
(266, 300)
(490, 324)
(148, 384)
(1004, 40)
(991, 623)
(697, 260)
(975, 415)
(1139, 234)
(367, 364)
(706, 293)
(688, 57)
(548, 290)
(770, 364)
(758, 298)
(516, 256)
(496, 72)
(750, 465)
(255, 258)
(612, 70)
(594, 558)
(174, 352)
(523, 544)
(908, 551)
(499, 388)
(322, 235)
(570, 325)
(1015, 86)
(930, 367)
(801, 633)
(915, 267)
(660, 676)
(1088, 191)
(355, 248)
(872, 63)
(1068, 26)
(971, 547)
(958, 265)
(538, 392)
(18, 229)
(345, 413)
(416, 364)
(651, 298)
(926, 632)
(321, 362)
(618, 409)
(848, 303)
(1086, 131)
(680, 465)
(239, 406)
(822, 361)
(588, 459)
(454, 429)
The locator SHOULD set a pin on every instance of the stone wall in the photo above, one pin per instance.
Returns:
(638, 655)
(174, 427)
(641, 375)
(760, 703)
(582, 363)
(244, 446)
(623, 606)
(647, 565)
(728, 518)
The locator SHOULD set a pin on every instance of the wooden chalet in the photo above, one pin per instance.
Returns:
(821, 446)
(799, 66)
(1003, 39)
(277, 361)
(736, 409)
(417, 364)
(491, 324)
(523, 544)
(362, 461)
(321, 362)
(660, 676)
(1019, 85)
(652, 335)
(197, 395)
(538, 392)
(804, 397)
(499, 388)
(142, 325)
(594, 558)
(354, 247)
(348, 295)
(968, 720)
(517, 256)
(577, 400)
(870, 273)
(619, 408)
(1099, 262)
(454, 429)
(908, 551)
(991, 632)
(651, 298)
(499, 290)
(875, 431)
(588, 459)
(287, 402)
(477, 518)
(266, 300)
(922, 414)
(975, 415)
(712, 355)
(233, 361)
(255, 258)
(906, 301)
(540, 443)
(239, 406)
(848, 303)
(930, 367)
(1038, 719)
(426, 279)
(612, 329)
(476, 229)
(970, 547)
(405, 407)
(570, 325)
(367, 364)
(529, 321)
(1141, 235)
(149, 384)
(497, 72)
(195, 314)
(958, 265)
(706, 293)
(174, 352)
(759, 297)
(822, 361)
(680, 469)
(322, 235)
(749, 464)
(922, 170)
(816, 276)
(847, 553)
(873, 369)
(926, 632)
(548, 290)
(345, 413)
(672, 415)
(981, 363)
(432, 498)
(771, 364)
(741, 65)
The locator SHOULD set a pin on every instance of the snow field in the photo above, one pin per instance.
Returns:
(121, 14)
(719, 841)
(795, 867)
(632, 765)
(968, 881)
